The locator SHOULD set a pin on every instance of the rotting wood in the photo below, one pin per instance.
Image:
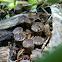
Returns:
(13, 21)
(5, 35)
(4, 54)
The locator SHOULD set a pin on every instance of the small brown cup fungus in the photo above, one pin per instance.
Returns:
(18, 9)
(43, 17)
(19, 37)
(47, 30)
(25, 58)
(28, 44)
(38, 41)
(17, 30)
(37, 28)
(22, 18)
(25, 21)
(36, 54)
(28, 23)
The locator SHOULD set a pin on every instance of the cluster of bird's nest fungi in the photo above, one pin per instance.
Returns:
(30, 35)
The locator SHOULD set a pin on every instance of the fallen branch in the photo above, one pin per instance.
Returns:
(13, 21)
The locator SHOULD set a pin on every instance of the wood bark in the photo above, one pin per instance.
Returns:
(5, 35)
(13, 21)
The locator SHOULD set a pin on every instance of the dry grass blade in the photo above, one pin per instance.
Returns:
(20, 52)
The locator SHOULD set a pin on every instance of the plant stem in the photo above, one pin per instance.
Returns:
(14, 2)
(18, 2)
(6, 1)
(22, 2)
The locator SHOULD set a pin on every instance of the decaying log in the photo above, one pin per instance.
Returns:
(5, 35)
(4, 54)
(13, 21)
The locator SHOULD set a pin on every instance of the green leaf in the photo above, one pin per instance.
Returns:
(33, 8)
(11, 5)
(8, 16)
(14, 2)
(34, 1)
(53, 1)
(6, 1)
(34, 4)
